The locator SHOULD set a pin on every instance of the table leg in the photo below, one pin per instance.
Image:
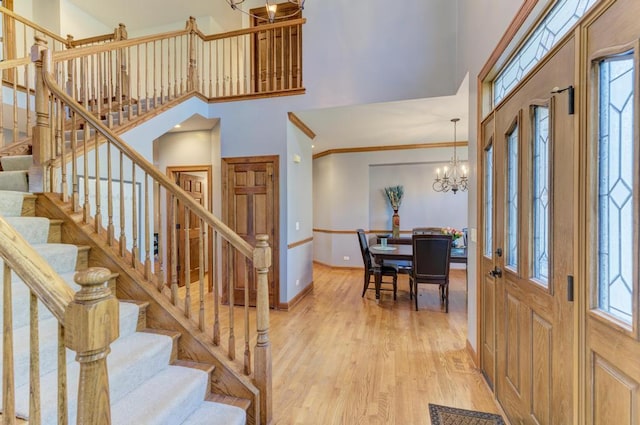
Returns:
(378, 276)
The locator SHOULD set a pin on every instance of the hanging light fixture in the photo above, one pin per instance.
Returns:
(454, 177)
(271, 8)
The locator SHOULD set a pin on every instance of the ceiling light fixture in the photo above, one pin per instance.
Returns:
(454, 178)
(271, 8)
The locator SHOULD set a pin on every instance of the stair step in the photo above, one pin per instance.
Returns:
(34, 230)
(14, 181)
(174, 335)
(55, 230)
(29, 205)
(169, 397)
(207, 368)
(16, 162)
(11, 203)
(211, 413)
(142, 313)
(242, 403)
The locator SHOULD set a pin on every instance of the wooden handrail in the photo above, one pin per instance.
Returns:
(37, 274)
(14, 63)
(240, 244)
(251, 30)
(33, 25)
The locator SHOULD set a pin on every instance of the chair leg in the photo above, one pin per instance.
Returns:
(395, 287)
(410, 288)
(415, 293)
(446, 298)
(367, 278)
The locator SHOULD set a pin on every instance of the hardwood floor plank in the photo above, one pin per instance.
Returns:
(340, 359)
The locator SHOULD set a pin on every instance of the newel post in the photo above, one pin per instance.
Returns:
(41, 141)
(192, 75)
(262, 366)
(91, 324)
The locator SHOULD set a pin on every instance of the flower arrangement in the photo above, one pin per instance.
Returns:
(455, 233)
(394, 194)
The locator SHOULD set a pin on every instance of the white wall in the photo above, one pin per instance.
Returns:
(347, 196)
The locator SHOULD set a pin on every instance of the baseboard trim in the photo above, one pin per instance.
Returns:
(473, 354)
(295, 300)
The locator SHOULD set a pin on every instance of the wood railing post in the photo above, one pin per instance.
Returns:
(262, 263)
(41, 141)
(122, 89)
(91, 325)
(192, 73)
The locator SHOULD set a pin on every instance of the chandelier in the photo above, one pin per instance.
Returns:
(454, 177)
(271, 8)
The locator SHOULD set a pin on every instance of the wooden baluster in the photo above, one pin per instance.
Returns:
(8, 381)
(162, 70)
(216, 291)
(230, 287)
(134, 218)
(75, 194)
(99, 86)
(245, 65)
(263, 378)
(247, 350)
(127, 84)
(237, 65)
(147, 230)
(211, 70)
(138, 81)
(192, 82)
(146, 80)
(110, 95)
(85, 151)
(27, 83)
(201, 72)
(110, 225)
(290, 53)
(91, 321)
(123, 237)
(160, 258)
(97, 218)
(34, 362)
(201, 264)
(169, 63)
(268, 59)
(63, 414)
(174, 249)
(299, 54)
(224, 70)
(217, 70)
(60, 140)
(187, 262)
(282, 52)
(119, 86)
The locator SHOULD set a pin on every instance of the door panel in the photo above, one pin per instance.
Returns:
(250, 202)
(611, 228)
(534, 228)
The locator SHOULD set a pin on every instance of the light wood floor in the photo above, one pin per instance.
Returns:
(342, 359)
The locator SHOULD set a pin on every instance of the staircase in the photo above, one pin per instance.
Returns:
(147, 382)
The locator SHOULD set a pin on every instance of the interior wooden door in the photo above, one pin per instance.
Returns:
(188, 238)
(532, 139)
(610, 240)
(250, 209)
(276, 55)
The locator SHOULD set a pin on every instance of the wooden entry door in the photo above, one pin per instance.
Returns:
(527, 338)
(611, 233)
(250, 208)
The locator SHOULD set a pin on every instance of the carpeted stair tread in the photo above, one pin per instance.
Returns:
(211, 413)
(168, 398)
(14, 181)
(34, 230)
(132, 361)
(16, 162)
(48, 342)
(11, 203)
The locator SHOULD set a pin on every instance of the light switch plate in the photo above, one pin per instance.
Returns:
(474, 235)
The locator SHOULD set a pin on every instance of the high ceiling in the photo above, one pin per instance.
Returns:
(413, 121)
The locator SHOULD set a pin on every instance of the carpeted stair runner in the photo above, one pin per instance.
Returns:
(144, 387)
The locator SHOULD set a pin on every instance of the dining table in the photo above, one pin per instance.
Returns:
(403, 251)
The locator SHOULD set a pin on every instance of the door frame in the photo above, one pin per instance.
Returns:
(274, 242)
(171, 172)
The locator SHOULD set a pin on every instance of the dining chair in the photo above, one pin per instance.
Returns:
(371, 268)
(427, 230)
(431, 261)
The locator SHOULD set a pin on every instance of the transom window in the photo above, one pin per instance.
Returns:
(549, 31)
(616, 186)
(512, 198)
(540, 192)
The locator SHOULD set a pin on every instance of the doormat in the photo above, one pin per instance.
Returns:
(444, 415)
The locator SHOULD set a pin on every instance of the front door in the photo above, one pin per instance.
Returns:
(611, 233)
(527, 337)
(250, 208)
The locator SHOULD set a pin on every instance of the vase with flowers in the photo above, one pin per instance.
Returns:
(394, 195)
(456, 236)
